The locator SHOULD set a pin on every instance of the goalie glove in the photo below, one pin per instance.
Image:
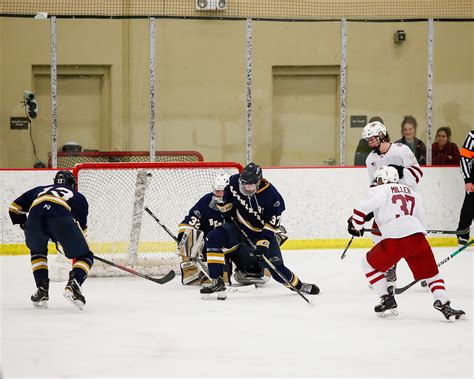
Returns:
(191, 244)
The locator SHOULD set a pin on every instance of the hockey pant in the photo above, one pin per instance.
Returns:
(227, 241)
(467, 214)
(418, 255)
(66, 231)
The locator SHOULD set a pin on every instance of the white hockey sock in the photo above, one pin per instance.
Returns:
(375, 277)
(437, 288)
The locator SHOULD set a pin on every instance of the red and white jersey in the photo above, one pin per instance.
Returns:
(400, 155)
(398, 210)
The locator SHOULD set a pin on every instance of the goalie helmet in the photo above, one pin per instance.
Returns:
(65, 177)
(386, 174)
(374, 129)
(220, 182)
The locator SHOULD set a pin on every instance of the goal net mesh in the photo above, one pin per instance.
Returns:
(121, 231)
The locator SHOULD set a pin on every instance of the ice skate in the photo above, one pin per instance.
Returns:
(72, 292)
(310, 289)
(215, 290)
(388, 305)
(448, 312)
(245, 278)
(40, 297)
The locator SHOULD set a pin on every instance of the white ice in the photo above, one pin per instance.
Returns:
(132, 327)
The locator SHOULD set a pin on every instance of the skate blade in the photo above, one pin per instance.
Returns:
(242, 289)
(69, 297)
(460, 318)
(41, 305)
(389, 313)
(221, 295)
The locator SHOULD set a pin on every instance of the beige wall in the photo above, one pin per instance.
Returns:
(201, 78)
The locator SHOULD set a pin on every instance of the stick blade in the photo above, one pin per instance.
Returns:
(165, 279)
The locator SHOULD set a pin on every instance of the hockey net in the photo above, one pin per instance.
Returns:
(120, 230)
(70, 159)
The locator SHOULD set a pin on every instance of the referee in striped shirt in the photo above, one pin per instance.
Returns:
(467, 210)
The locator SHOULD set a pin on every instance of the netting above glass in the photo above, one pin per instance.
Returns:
(240, 9)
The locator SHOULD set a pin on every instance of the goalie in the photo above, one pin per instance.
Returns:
(202, 218)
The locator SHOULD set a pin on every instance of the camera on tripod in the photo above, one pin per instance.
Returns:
(30, 103)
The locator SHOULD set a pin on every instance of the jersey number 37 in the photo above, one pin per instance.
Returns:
(406, 202)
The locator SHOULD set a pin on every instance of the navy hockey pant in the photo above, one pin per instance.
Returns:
(228, 241)
(66, 231)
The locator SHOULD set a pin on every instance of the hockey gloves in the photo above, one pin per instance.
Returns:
(369, 216)
(260, 252)
(352, 230)
(399, 169)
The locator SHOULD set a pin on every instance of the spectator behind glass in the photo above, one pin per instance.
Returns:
(444, 151)
(417, 146)
(363, 149)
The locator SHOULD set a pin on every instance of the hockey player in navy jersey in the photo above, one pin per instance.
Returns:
(256, 206)
(202, 218)
(57, 212)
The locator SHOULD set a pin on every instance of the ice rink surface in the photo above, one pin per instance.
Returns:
(132, 327)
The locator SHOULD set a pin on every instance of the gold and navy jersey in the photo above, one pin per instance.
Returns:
(56, 200)
(259, 214)
(203, 216)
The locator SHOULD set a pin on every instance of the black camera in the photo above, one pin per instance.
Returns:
(30, 103)
(399, 36)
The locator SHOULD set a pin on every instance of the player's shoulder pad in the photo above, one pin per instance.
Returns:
(265, 185)
(206, 198)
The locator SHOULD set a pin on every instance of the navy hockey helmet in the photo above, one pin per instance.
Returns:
(252, 174)
(65, 177)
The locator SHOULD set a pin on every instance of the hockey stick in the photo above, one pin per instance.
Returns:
(398, 291)
(165, 279)
(429, 231)
(197, 260)
(347, 247)
(269, 263)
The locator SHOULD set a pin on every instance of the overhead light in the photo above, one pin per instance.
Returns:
(41, 16)
(211, 5)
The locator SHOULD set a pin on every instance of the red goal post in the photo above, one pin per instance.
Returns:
(117, 193)
(68, 159)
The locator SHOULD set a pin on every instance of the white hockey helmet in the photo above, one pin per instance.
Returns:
(386, 174)
(374, 129)
(220, 182)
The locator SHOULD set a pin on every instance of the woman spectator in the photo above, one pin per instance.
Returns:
(444, 151)
(417, 146)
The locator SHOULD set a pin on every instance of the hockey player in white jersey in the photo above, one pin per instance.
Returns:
(396, 155)
(399, 213)
(385, 153)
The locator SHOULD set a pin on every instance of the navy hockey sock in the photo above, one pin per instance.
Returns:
(82, 266)
(39, 265)
(285, 271)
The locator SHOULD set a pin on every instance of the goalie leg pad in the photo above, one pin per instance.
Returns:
(191, 244)
(190, 273)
